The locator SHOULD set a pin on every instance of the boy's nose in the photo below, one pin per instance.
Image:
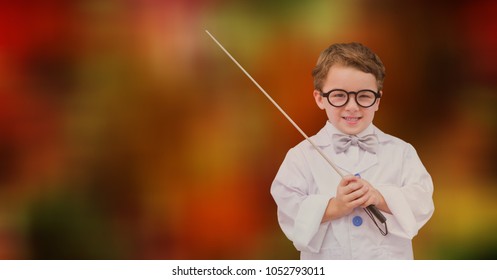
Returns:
(351, 103)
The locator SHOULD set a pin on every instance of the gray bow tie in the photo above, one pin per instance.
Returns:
(342, 142)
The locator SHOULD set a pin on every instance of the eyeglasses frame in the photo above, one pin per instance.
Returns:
(377, 95)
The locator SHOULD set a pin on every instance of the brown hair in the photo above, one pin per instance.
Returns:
(354, 55)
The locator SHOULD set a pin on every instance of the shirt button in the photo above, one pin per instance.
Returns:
(357, 221)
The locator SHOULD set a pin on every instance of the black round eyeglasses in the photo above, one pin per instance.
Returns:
(339, 97)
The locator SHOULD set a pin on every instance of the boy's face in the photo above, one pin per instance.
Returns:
(350, 118)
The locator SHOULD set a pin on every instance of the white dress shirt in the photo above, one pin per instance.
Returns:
(305, 183)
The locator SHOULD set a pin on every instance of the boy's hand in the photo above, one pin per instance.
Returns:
(353, 192)
(350, 194)
(374, 197)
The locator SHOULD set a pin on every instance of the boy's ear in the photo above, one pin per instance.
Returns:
(319, 99)
(378, 101)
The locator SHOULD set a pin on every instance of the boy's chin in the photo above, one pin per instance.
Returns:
(352, 130)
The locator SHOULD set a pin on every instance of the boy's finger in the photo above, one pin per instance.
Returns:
(347, 180)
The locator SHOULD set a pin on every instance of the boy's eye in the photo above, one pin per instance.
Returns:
(363, 96)
(339, 95)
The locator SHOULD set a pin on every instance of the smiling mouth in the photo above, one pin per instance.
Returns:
(351, 119)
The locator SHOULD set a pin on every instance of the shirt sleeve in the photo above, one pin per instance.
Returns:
(300, 211)
(411, 203)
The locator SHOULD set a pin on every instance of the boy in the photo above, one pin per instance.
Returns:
(321, 212)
